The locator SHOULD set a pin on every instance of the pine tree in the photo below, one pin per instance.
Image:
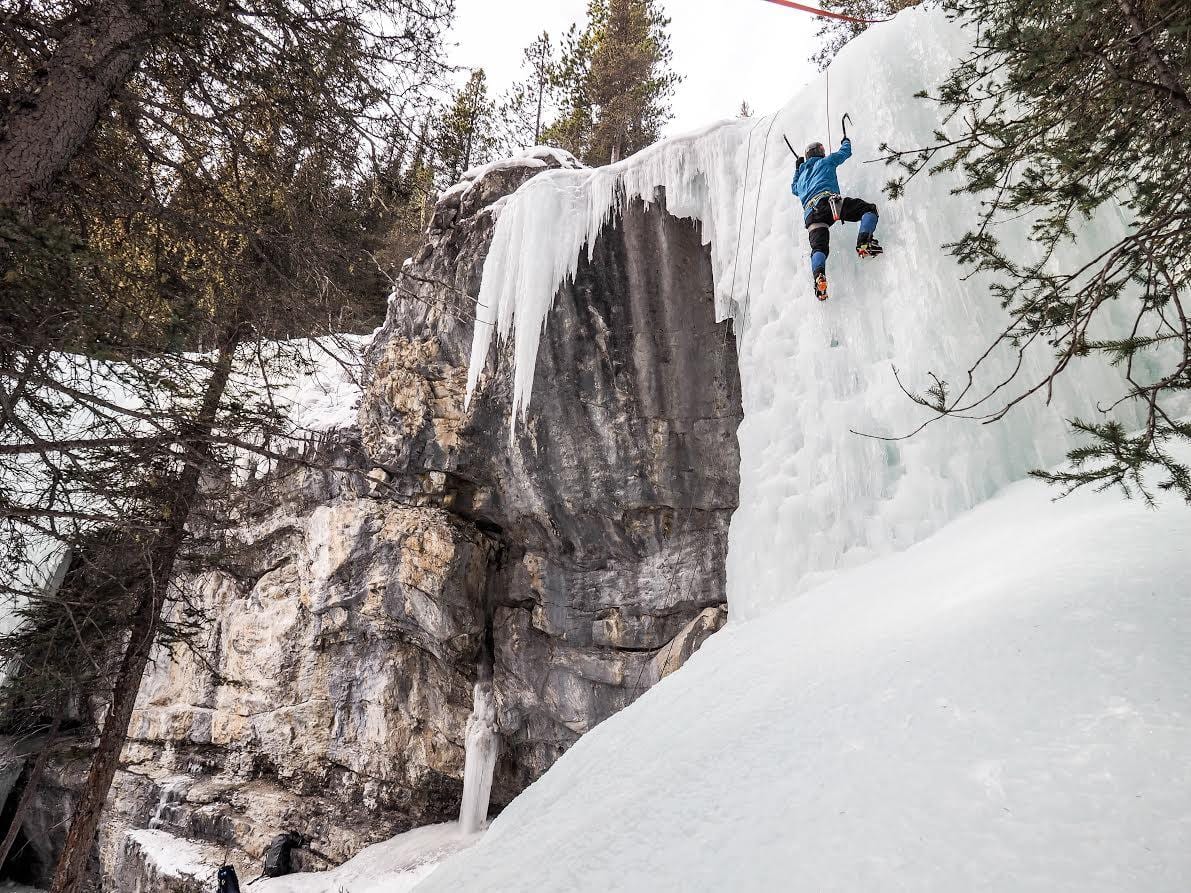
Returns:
(571, 84)
(615, 81)
(265, 246)
(466, 132)
(64, 66)
(400, 191)
(529, 103)
(834, 33)
(169, 206)
(1059, 113)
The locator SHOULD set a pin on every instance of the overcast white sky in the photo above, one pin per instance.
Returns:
(728, 50)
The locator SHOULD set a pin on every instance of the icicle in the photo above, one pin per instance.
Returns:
(480, 761)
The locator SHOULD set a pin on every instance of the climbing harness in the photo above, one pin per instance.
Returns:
(814, 200)
(836, 203)
(790, 4)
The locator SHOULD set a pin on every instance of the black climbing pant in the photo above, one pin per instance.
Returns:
(820, 235)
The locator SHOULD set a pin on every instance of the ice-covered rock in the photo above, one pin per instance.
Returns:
(936, 678)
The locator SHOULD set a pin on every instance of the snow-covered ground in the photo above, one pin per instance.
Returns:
(174, 856)
(393, 866)
(322, 389)
(533, 157)
(1005, 706)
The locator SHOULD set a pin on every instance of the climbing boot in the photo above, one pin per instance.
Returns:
(867, 245)
(821, 286)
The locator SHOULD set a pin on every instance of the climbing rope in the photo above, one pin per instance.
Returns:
(757, 206)
(790, 4)
(748, 161)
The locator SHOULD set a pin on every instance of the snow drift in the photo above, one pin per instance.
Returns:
(815, 498)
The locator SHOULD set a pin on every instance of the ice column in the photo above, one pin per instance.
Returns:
(480, 761)
(172, 792)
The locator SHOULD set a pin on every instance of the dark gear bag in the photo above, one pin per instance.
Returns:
(228, 882)
(279, 855)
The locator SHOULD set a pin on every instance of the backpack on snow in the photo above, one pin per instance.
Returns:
(279, 855)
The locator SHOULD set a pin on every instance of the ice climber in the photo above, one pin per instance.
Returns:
(815, 183)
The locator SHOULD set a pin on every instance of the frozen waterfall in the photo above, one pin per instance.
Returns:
(816, 498)
(480, 761)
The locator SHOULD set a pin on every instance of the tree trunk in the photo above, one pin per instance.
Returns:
(537, 126)
(30, 788)
(95, 58)
(471, 130)
(1141, 39)
(72, 863)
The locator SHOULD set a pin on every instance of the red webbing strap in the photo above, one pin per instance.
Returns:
(823, 12)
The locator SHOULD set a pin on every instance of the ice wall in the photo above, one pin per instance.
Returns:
(814, 497)
(479, 761)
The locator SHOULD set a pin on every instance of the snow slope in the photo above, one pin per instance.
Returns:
(813, 497)
(1004, 706)
(393, 866)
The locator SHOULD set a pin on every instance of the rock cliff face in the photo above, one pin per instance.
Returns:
(581, 561)
(608, 513)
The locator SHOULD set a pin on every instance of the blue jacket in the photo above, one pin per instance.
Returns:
(816, 176)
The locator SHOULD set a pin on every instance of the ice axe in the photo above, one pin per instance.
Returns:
(843, 123)
(792, 152)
